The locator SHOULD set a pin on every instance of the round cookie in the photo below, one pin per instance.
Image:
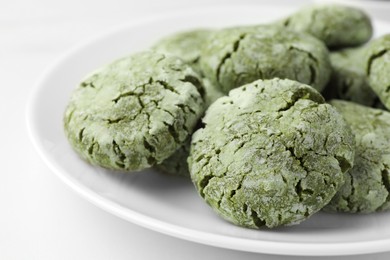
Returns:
(187, 45)
(377, 68)
(367, 185)
(135, 112)
(336, 25)
(236, 56)
(349, 80)
(271, 153)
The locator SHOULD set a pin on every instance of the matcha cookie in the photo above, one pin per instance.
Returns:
(367, 185)
(187, 45)
(336, 25)
(236, 56)
(377, 67)
(271, 153)
(135, 112)
(349, 80)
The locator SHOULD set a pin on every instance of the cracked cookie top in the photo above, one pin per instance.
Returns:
(336, 25)
(271, 153)
(367, 185)
(236, 56)
(135, 112)
(377, 67)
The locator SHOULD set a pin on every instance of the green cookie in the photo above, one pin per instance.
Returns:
(236, 56)
(271, 153)
(336, 25)
(187, 45)
(349, 80)
(135, 112)
(367, 185)
(377, 68)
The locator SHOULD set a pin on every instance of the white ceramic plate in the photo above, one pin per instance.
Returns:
(169, 204)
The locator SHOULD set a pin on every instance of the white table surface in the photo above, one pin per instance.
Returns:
(40, 217)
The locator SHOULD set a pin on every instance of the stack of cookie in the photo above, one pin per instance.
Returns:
(240, 112)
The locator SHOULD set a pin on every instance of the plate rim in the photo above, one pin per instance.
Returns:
(202, 237)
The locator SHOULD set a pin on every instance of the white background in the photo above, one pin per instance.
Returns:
(40, 217)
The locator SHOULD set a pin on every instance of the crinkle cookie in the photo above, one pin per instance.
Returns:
(187, 45)
(367, 185)
(135, 112)
(236, 56)
(271, 153)
(377, 61)
(338, 26)
(349, 80)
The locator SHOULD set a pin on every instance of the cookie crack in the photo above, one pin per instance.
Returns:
(91, 148)
(236, 45)
(115, 120)
(373, 58)
(299, 190)
(120, 155)
(349, 198)
(87, 84)
(257, 221)
(148, 146)
(313, 74)
(70, 116)
(167, 111)
(298, 95)
(343, 163)
(172, 131)
(167, 86)
(386, 182)
(126, 94)
(286, 22)
(195, 82)
(239, 187)
(203, 184)
(152, 151)
(184, 106)
(81, 134)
